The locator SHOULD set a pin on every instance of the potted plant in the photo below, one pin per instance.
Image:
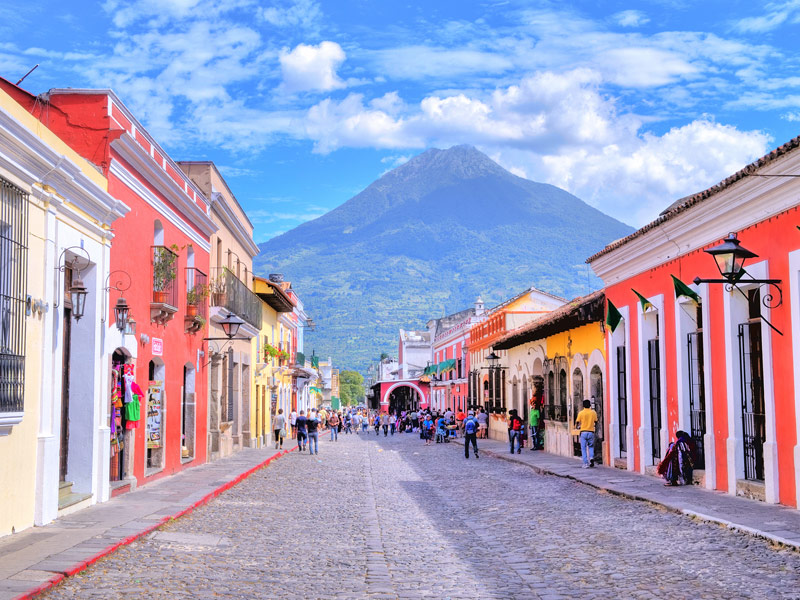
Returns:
(164, 271)
(194, 296)
(199, 322)
(217, 290)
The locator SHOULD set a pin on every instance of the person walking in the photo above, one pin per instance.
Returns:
(279, 428)
(301, 431)
(533, 422)
(385, 423)
(293, 423)
(470, 434)
(376, 422)
(392, 423)
(333, 423)
(313, 432)
(483, 424)
(426, 429)
(515, 430)
(585, 422)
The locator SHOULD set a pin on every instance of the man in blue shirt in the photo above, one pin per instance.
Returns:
(302, 431)
(470, 434)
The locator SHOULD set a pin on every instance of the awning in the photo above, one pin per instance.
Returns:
(315, 389)
(430, 370)
(447, 365)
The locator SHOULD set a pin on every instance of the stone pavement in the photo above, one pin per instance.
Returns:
(389, 518)
(38, 557)
(776, 523)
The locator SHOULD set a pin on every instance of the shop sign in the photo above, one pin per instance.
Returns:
(155, 397)
(158, 346)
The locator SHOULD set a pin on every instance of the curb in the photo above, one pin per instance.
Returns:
(757, 533)
(77, 568)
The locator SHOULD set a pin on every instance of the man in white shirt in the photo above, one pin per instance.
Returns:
(293, 423)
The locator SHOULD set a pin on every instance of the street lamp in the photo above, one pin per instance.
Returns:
(730, 257)
(230, 325)
(493, 360)
(77, 289)
(121, 310)
(77, 293)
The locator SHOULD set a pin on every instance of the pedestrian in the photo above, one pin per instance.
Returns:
(677, 467)
(426, 429)
(279, 428)
(533, 422)
(470, 434)
(364, 424)
(301, 432)
(376, 422)
(585, 422)
(341, 421)
(293, 423)
(460, 418)
(392, 423)
(515, 430)
(313, 432)
(348, 421)
(385, 423)
(333, 423)
(483, 424)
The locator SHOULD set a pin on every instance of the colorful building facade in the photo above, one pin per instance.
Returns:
(55, 232)
(162, 241)
(740, 407)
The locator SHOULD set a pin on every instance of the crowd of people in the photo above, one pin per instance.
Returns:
(440, 426)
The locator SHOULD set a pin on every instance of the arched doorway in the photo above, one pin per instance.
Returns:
(122, 440)
(403, 398)
(155, 416)
(577, 405)
(596, 391)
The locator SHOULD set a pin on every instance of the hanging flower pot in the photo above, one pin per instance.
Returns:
(160, 297)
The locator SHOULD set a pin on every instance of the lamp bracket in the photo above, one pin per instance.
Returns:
(62, 266)
(768, 300)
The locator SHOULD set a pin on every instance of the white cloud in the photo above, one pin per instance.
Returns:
(631, 18)
(776, 14)
(312, 68)
(305, 14)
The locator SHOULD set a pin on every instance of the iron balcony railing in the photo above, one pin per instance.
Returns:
(228, 291)
(165, 272)
(196, 293)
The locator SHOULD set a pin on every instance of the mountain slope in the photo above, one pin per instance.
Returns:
(426, 239)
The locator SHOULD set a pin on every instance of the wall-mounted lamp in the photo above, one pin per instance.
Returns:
(730, 257)
(130, 328)
(77, 290)
(122, 282)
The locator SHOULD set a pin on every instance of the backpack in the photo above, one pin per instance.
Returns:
(516, 423)
(469, 426)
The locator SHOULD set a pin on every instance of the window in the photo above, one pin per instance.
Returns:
(622, 401)
(697, 396)
(13, 293)
(654, 370)
(562, 394)
(751, 367)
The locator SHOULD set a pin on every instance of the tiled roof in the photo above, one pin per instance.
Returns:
(686, 203)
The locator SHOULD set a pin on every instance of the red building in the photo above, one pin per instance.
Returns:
(161, 254)
(718, 359)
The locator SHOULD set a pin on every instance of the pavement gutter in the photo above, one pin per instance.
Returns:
(757, 533)
(78, 567)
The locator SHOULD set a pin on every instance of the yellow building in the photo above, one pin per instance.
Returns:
(55, 236)
(274, 303)
(559, 361)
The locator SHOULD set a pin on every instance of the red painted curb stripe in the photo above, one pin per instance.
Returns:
(59, 577)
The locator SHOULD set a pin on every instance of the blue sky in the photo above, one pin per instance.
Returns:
(304, 103)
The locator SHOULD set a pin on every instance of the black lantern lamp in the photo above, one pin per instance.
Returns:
(493, 360)
(121, 310)
(730, 256)
(230, 325)
(77, 293)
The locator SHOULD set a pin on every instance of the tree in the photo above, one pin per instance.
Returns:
(351, 387)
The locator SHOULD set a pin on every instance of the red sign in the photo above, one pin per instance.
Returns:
(158, 347)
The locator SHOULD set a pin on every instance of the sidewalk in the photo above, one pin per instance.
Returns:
(38, 558)
(773, 522)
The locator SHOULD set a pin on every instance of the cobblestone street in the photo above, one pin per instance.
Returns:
(391, 518)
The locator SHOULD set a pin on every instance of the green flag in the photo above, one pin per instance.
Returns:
(643, 301)
(681, 289)
(613, 317)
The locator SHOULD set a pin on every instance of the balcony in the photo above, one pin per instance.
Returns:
(228, 292)
(164, 303)
(196, 315)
